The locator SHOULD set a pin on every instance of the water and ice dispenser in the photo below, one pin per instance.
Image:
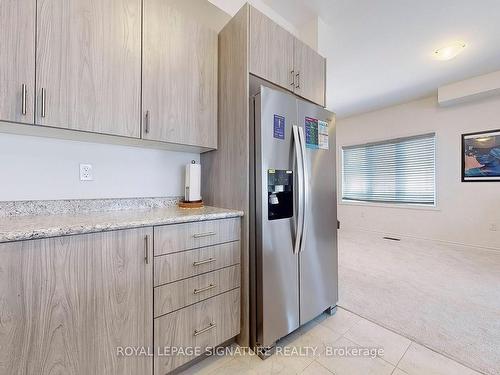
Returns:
(279, 194)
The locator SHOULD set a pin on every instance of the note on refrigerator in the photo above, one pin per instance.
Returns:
(323, 135)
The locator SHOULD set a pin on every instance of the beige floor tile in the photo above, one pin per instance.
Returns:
(398, 371)
(236, 366)
(354, 365)
(420, 360)
(208, 365)
(290, 365)
(212, 363)
(295, 353)
(315, 338)
(275, 364)
(366, 333)
(341, 321)
(315, 368)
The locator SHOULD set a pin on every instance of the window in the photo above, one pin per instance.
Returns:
(395, 171)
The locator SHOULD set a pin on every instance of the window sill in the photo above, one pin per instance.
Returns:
(405, 206)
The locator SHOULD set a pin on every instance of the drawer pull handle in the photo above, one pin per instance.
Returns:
(146, 248)
(23, 99)
(199, 263)
(211, 326)
(207, 234)
(201, 290)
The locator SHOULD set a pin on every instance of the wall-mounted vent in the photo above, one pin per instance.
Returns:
(391, 238)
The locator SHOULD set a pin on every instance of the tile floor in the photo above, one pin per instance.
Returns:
(343, 330)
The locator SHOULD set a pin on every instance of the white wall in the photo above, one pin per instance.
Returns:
(33, 168)
(465, 211)
(231, 7)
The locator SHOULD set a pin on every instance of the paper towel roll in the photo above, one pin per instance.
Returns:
(193, 182)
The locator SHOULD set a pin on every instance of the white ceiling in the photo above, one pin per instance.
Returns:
(380, 51)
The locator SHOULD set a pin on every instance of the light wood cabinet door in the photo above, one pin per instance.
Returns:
(88, 73)
(310, 73)
(177, 266)
(271, 50)
(180, 237)
(201, 326)
(179, 77)
(174, 296)
(17, 60)
(69, 303)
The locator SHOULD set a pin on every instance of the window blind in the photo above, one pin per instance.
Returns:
(394, 171)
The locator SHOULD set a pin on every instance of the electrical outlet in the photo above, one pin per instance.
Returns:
(86, 172)
(493, 227)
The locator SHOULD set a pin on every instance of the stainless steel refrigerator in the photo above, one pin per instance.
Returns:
(293, 215)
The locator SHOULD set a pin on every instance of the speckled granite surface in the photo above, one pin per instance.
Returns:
(66, 206)
(27, 227)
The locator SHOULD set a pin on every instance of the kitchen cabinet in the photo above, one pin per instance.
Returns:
(278, 57)
(251, 46)
(271, 50)
(17, 60)
(89, 304)
(203, 325)
(310, 73)
(179, 77)
(196, 287)
(69, 304)
(130, 68)
(88, 65)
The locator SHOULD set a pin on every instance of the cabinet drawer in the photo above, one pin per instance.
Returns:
(173, 267)
(179, 237)
(174, 296)
(198, 327)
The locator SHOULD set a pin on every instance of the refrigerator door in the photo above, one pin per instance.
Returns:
(277, 285)
(318, 256)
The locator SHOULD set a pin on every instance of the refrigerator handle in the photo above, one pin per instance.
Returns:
(300, 190)
(305, 187)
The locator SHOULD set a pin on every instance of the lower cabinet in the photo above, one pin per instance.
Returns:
(187, 333)
(89, 304)
(196, 290)
(68, 304)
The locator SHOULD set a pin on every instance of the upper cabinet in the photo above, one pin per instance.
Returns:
(179, 89)
(310, 73)
(88, 71)
(280, 58)
(17, 60)
(271, 50)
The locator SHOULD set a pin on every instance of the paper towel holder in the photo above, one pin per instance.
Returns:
(198, 203)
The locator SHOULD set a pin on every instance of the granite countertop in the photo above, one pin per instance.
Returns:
(28, 227)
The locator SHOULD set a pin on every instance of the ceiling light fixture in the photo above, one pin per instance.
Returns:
(450, 51)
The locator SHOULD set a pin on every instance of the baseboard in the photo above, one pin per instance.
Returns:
(436, 240)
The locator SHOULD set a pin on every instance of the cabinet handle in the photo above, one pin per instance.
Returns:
(201, 290)
(23, 99)
(199, 332)
(199, 263)
(146, 123)
(293, 78)
(297, 85)
(43, 102)
(207, 234)
(146, 248)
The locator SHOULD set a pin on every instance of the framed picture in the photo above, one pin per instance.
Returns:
(481, 156)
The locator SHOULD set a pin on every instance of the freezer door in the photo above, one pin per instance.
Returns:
(318, 265)
(277, 295)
